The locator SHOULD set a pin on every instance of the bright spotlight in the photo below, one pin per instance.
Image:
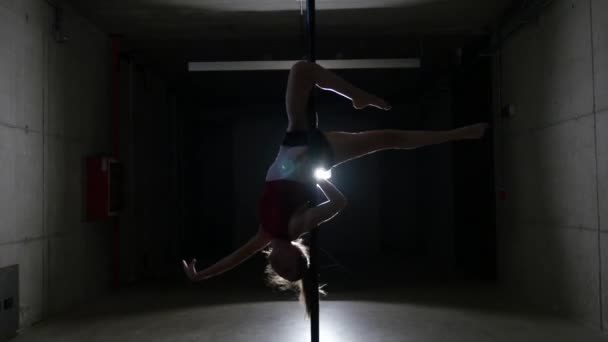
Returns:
(321, 173)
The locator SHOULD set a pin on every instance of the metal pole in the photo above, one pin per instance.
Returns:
(314, 236)
(310, 28)
(312, 57)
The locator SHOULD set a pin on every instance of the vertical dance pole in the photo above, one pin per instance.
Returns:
(314, 235)
(310, 21)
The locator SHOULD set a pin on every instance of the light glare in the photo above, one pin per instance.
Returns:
(321, 173)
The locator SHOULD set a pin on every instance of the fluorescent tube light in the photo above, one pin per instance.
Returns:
(394, 63)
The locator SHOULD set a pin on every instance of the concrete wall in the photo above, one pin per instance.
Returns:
(553, 247)
(54, 106)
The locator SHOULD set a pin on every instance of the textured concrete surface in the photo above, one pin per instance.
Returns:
(550, 169)
(473, 313)
(604, 275)
(555, 162)
(53, 113)
(602, 165)
(547, 68)
(600, 45)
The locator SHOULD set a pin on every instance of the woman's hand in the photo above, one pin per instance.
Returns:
(190, 270)
(332, 193)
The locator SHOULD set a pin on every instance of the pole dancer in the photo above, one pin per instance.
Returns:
(284, 212)
(288, 208)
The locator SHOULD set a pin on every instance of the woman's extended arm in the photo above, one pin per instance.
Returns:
(255, 244)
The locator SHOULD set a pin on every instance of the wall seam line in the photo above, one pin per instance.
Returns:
(56, 235)
(45, 229)
(551, 224)
(516, 133)
(22, 128)
(597, 194)
(45, 246)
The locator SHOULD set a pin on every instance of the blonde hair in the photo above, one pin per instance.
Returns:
(303, 287)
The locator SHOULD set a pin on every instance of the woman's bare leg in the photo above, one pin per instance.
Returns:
(348, 146)
(304, 75)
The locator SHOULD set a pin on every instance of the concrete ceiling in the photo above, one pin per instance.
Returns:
(220, 19)
(224, 29)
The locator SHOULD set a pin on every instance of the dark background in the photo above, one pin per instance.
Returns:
(425, 214)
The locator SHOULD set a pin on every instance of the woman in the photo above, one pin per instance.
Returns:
(284, 211)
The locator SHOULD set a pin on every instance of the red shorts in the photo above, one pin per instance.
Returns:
(280, 200)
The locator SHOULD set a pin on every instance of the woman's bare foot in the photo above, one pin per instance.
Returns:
(476, 131)
(365, 100)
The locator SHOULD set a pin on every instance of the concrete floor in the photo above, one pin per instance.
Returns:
(196, 312)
